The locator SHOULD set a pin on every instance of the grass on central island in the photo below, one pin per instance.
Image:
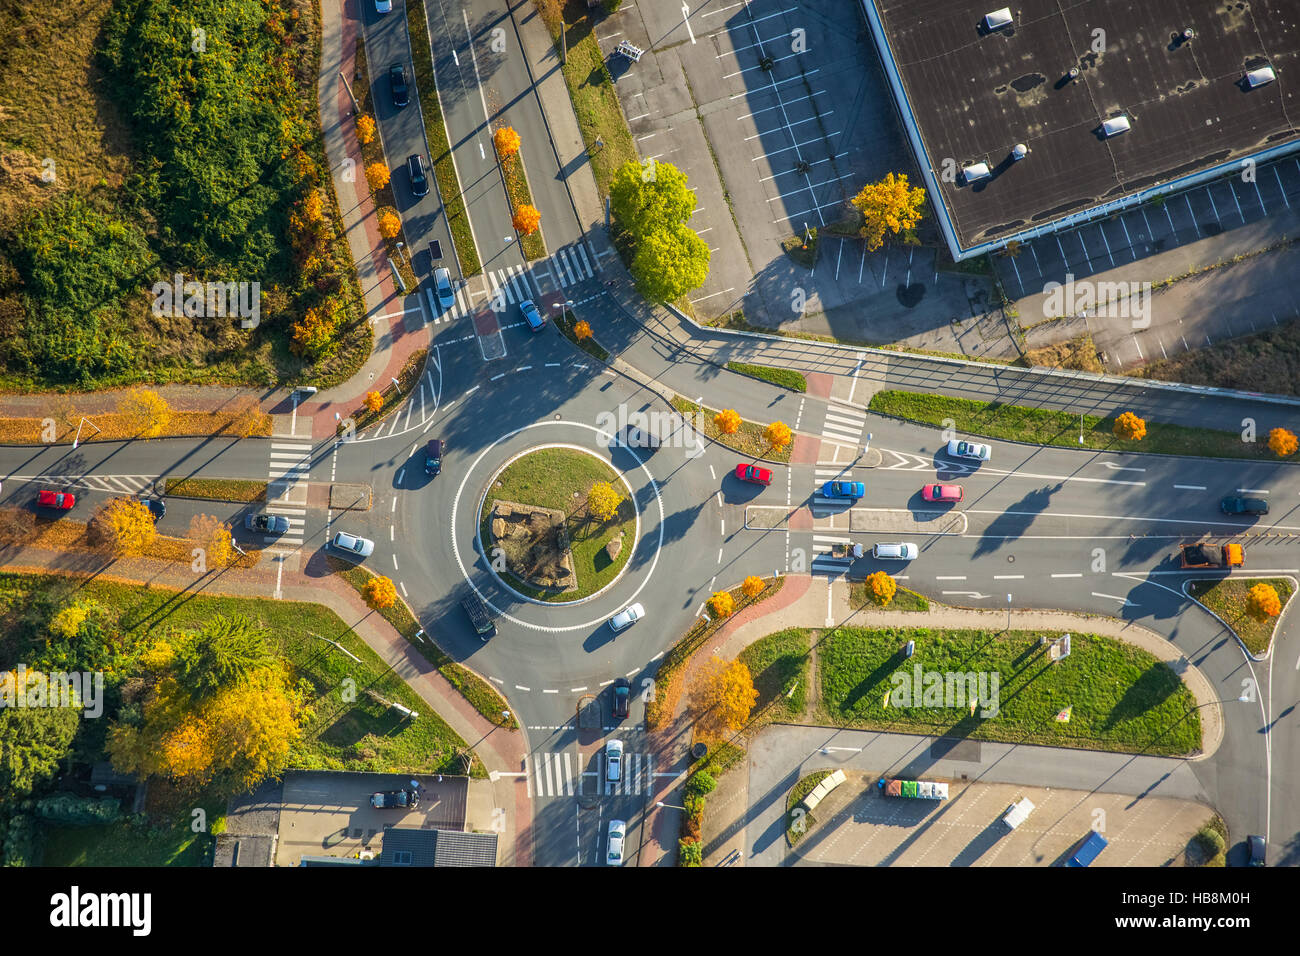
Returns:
(1226, 597)
(560, 478)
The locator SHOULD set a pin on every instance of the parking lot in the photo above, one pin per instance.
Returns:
(863, 828)
(786, 101)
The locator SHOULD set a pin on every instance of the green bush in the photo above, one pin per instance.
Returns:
(72, 810)
(611, 6)
(689, 853)
(700, 783)
(1212, 845)
(21, 841)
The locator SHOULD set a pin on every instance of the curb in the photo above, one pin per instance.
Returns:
(1277, 626)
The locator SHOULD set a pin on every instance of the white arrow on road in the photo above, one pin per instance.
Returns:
(1120, 467)
(686, 18)
(1125, 601)
(973, 594)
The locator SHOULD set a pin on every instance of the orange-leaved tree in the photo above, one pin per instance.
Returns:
(365, 129)
(506, 141)
(374, 402)
(125, 526)
(1262, 602)
(778, 434)
(752, 586)
(1282, 442)
(882, 586)
(722, 604)
(526, 220)
(1129, 427)
(727, 421)
(379, 592)
(722, 697)
(377, 175)
(582, 330)
(390, 224)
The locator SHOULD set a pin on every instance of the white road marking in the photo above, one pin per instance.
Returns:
(1190, 487)
(1074, 574)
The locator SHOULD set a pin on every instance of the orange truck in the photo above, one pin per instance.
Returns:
(1213, 556)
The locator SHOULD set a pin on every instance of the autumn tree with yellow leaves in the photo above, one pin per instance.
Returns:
(892, 206)
(1262, 602)
(778, 435)
(722, 696)
(603, 500)
(526, 220)
(146, 413)
(1282, 442)
(1129, 427)
(379, 592)
(377, 175)
(727, 421)
(752, 586)
(507, 142)
(722, 604)
(882, 587)
(124, 527)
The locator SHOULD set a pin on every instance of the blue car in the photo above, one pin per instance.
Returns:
(531, 315)
(844, 489)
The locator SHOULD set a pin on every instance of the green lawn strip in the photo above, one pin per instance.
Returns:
(1123, 698)
(904, 600)
(591, 89)
(588, 345)
(549, 478)
(785, 377)
(1226, 597)
(660, 707)
(1041, 426)
(133, 842)
(512, 169)
(394, 398)
(800, 252)
(777, 663)
(794, 833)
(748, 441)
(373, 152)
(444, 170)
(214, 489)
(482, 695)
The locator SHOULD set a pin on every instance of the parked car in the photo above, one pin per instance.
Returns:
(844, 489)
(534, 318)
(442, 286)
(408, 798)
(383, 6)
(266, 524)
(433, 457)
(895, 551)
(759, 476)
(1088, 850)
(1243, 506)
(622, 697)
(59, 500)
(626, 617)
(397, 81)
(157, 506)
(942, 493)
(419, 180)
(614, 761)
(352, 546)
(614, 856)
(1257, 850)
(969, 449)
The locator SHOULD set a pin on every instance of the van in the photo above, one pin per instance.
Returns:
(895, 551)
(419, 181)
(433, 457)
(1088, 850)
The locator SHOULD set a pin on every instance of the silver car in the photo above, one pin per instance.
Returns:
(969, 449)
(614, 761)
(617, 830)
(352, 546)
(442, 284)
(626, 617)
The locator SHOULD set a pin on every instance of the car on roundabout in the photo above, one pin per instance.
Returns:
(942, 493)
(969, 449)
(754, 474)
(534, 318)
(852, 490)
(353, 546)
(626, 617)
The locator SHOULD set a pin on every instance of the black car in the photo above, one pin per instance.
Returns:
(408, 798)
(157, 507)
(622, 697)
(419, 180)
(397, 80)
(433, 457)
(266, 524)
(1243, 506)
(1256, 844)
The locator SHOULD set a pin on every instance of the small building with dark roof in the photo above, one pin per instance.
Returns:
(411, 846)
(1176, 70)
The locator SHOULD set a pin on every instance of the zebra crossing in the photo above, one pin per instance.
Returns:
(511, 285)
(287, 476)
(112, 484)
(823, 561)
(843, 424)
(562, 775)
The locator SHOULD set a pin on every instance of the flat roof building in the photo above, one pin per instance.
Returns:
(1078, 110)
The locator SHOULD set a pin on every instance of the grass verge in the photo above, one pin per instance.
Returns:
(482, 696)
(214, 489)
(516, 178)
(560, 478)
(1079, 353)
(784, 377)
(591, 89)
(860, 596)
(444, 169)
(1210, 844)
(779, 665)
(1122, 698)
(247, 421)
(1041, 426)
(394, 396)
(748, 441)
(1263, 362)
(796, 824)
(588, 345)
(1226, 597)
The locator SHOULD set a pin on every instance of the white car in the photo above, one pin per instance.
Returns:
(969, 449)
(614, 857)
(614, 761)
(352, 545)
(895, 551)
(383, 6)
(442, 283)
(626, 617)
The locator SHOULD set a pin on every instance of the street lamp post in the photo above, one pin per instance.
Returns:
(669, 806)
(1081, 428)
(1008, 612)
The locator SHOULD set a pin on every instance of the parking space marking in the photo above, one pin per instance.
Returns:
(795, 172)
(712, 294)
(1171, 219)
(1233, 189)
(811, 119)
(817, 209)
(774, 83)
(786, 149)
(826, 182)
(1065, 259)
(1280, 187)
(768, 109)
(1106, 242)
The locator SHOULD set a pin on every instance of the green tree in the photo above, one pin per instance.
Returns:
(669, 262)
(645, 198)
(33, 742)
(224, 650)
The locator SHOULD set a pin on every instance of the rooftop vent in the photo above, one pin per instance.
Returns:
(1114, 126)
(976, 172)
(997, 19)
(1019, 151)
(1261, 77)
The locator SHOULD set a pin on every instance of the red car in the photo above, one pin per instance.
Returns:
(759, 476)
(942, 493)
(61, 500)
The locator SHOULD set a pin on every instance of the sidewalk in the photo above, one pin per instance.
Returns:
(501, 751)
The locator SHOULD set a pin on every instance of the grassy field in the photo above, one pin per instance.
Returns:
(784, 377)
(1226, 597)
(549, 478)
(165, 839)
(904, 600)
(444, 169)
(482, 695)
(1078, 353)
(591, 89)
(777, 662)
(1039, 426)
(1123, 699)
(215, 489)
(748, 441)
